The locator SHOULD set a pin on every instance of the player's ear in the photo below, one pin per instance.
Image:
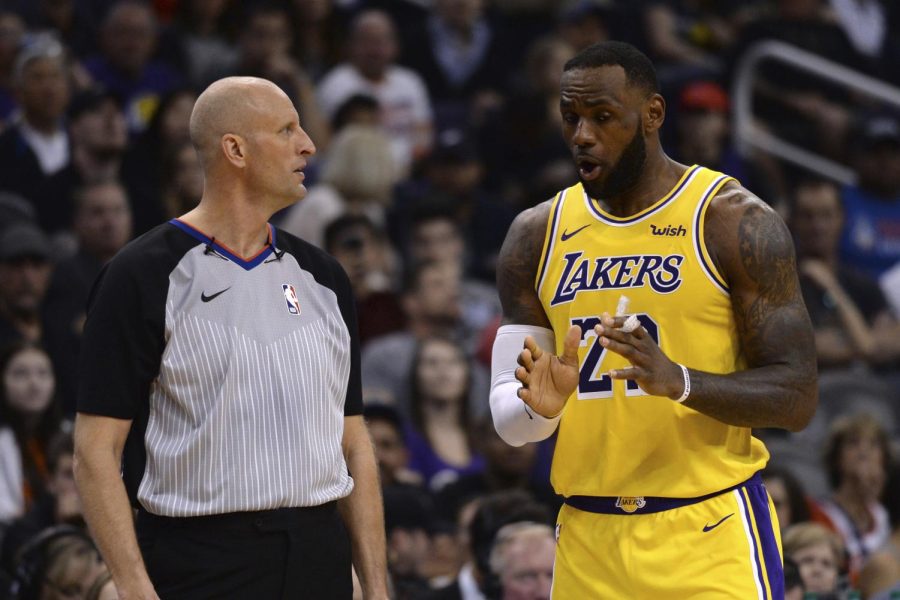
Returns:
(654, 113)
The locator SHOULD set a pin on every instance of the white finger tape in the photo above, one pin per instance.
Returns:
(622, 306)
(631, 323)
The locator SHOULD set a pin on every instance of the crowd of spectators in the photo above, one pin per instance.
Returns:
(437, 123)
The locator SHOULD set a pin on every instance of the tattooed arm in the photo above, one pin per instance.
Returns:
(752, 249)
(517, 268)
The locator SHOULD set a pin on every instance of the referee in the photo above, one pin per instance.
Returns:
(220, 390)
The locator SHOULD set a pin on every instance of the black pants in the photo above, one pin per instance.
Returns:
(295, 553)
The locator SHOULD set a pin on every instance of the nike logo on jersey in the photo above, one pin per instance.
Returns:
(566, 235)
(206, 298)
(709, 527)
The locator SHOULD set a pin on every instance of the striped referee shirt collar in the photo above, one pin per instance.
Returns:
(223, 250)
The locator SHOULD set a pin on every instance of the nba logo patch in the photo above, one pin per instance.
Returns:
(290, 296)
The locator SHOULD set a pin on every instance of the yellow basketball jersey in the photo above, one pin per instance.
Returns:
(615, 440)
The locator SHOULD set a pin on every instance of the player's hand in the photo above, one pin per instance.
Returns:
(650, 367)
(548, 380)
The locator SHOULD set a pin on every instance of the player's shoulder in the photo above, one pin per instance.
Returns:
(733, 199)
(532, 221)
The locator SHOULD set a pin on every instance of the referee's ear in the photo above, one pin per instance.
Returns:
(234, 147)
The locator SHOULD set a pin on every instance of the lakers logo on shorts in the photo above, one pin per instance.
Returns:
(630, 504)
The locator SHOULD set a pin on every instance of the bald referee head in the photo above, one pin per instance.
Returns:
(251, 146)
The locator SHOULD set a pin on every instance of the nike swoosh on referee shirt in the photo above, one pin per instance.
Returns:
(566, 235)
(709, 527)
(206, 298)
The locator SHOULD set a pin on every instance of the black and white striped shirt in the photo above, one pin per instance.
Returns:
(237, 373)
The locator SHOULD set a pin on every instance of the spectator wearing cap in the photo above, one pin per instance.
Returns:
(35, 150)
(704, 136)
(25, 270)
(871, 239)
(102, 226)
(371, 69)
(125, 66)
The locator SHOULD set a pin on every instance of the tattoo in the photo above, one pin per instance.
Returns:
(517, 267)
(778, 388)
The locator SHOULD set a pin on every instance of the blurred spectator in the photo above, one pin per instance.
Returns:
(864, 22)
(431, 303)
(435, 235)
(386, 428)
(818, 553)
(401, 93)
(871, 240)
(506, 468)
(12, 33)
(704, 138)
(408, 520)
(880, 578)
(25, 270)
(103, 588)
(129, 35)
(73, 21)
(463, 60)
(846, 307)
(202, 27)
(15, 209)
(525, 160)
(786, 493)
(35, 150)
(440, 441)
(491, 514)
(687, 38)
(793, 582)
(99, 135)
(145, 171)
(452, 184)
(62, 562)
(522, 559)
(358, 109)
(358, 178)
(29, 419)
(318, 27)
(60, 505)
(362, 250)
(798, 106)
(586, 22)
(264, 50)
(182, 178)
(856, 458)
(102, 226)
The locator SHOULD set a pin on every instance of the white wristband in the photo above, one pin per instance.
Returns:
(687, 384)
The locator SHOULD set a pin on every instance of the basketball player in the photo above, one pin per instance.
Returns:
(655, 455)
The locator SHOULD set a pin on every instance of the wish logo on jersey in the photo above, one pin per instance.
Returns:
(580, 274)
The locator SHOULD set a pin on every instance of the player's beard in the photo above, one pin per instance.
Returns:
(625, 174)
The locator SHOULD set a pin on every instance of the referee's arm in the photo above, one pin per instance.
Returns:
(362, 509)
(99, 442)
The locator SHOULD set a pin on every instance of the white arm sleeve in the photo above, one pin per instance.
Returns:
(513, 420)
